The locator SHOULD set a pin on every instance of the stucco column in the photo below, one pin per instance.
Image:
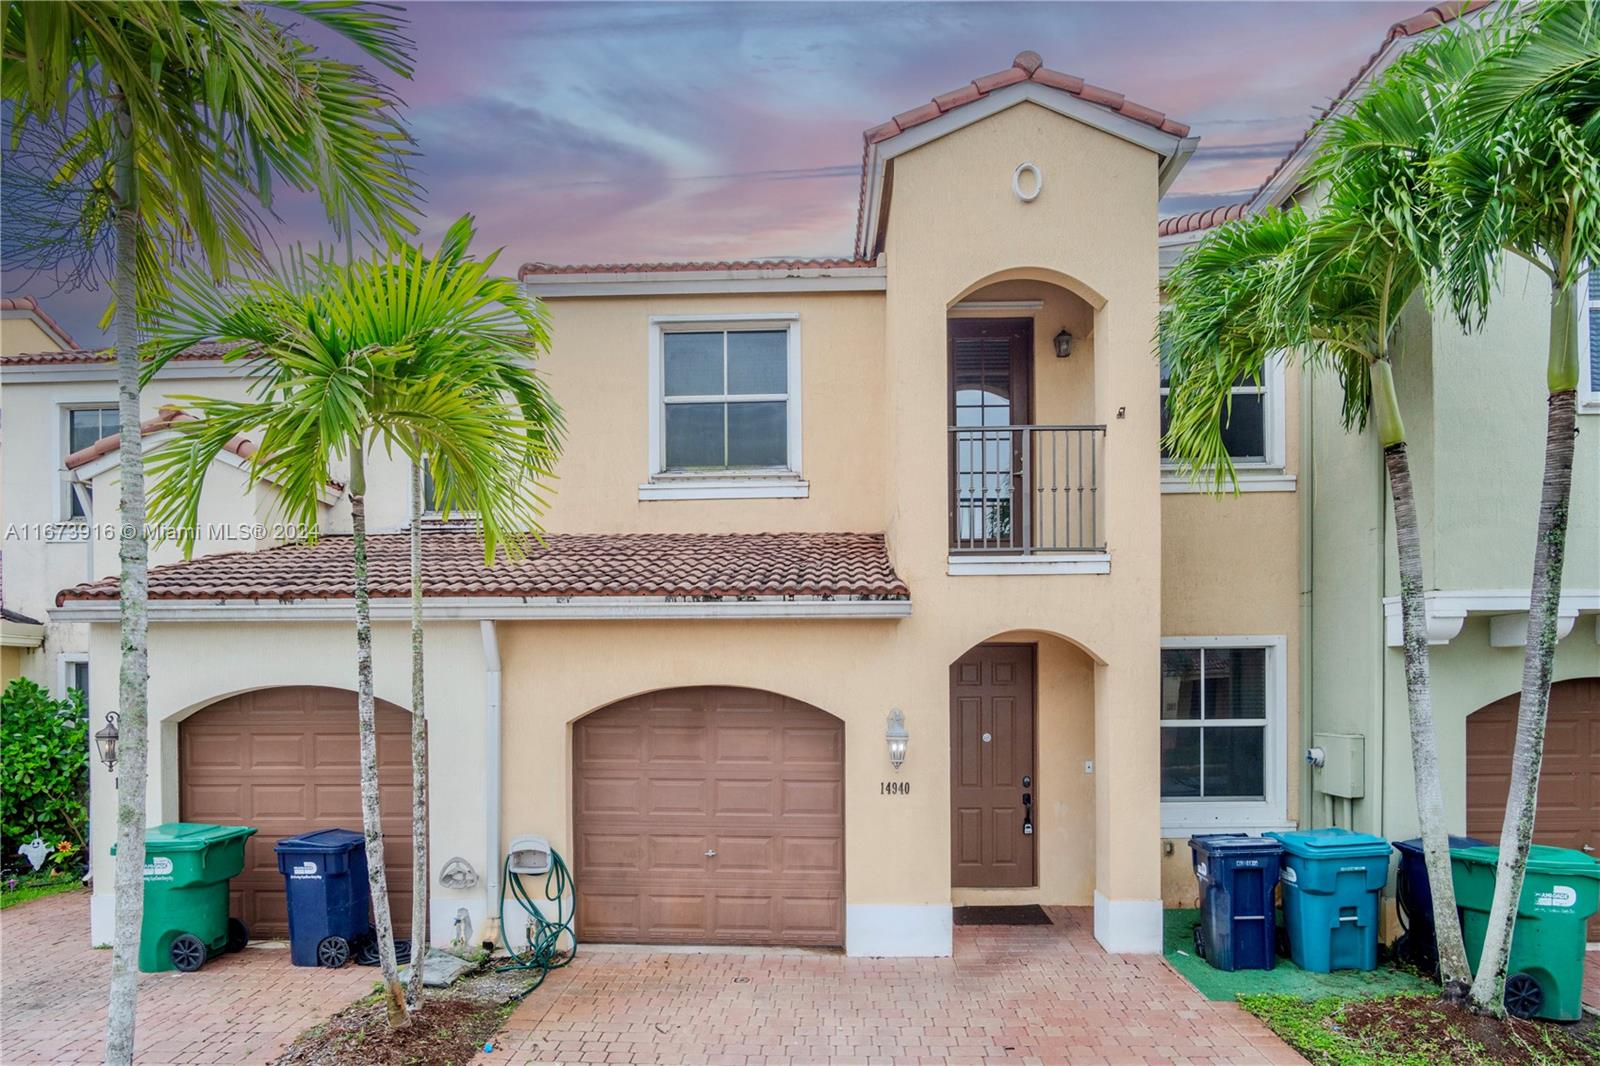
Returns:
(1127, 894)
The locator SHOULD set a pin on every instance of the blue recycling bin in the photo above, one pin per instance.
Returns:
(1332, 880)
(1238, 878)
(325, 879)
(1418, 943)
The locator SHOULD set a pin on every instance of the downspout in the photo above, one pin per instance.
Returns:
(1308, 526)
(1382, 731)
(491, 781)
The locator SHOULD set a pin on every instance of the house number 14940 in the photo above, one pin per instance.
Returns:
(894, 788)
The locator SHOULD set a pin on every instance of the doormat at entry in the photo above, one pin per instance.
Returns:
(1032, 914)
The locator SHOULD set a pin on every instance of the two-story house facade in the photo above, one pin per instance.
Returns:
(866, 592)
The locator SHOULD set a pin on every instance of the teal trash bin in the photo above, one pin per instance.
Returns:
(1332, 880)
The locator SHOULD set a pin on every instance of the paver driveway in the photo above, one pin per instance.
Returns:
(241, 1008)
(1045, 994)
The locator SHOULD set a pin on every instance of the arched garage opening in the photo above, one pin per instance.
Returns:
(1568, 814)
(709, 815)
(287, 760)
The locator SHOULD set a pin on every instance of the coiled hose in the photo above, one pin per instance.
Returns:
(542, 950)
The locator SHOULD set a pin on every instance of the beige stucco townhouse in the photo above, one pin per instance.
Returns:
(803, 504)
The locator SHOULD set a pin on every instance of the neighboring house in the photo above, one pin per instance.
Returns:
(1474, 407)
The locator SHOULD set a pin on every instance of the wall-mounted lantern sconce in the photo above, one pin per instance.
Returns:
(897, 737)
(105, 741)
(1063, 344)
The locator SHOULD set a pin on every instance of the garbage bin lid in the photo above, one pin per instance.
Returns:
(1542, 859)
(1234, 844)
(191, 836)
(1414, 845)
(323, 840)
(1332, 843)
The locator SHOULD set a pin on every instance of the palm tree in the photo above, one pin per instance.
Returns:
(179, 117)
(1523, 177)
(425, 356)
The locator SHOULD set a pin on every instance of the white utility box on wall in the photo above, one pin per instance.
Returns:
(1342, 770)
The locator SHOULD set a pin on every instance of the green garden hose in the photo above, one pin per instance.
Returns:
(542, 951)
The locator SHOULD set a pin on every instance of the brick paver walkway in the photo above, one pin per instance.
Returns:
(1021, 994)
(241, 1008)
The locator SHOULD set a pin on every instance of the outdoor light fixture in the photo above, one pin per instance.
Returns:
(106, 741)
(897, 737)
(1063, 344)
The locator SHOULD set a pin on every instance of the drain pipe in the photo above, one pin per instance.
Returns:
(491, 781)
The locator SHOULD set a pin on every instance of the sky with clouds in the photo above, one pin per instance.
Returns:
(608, 131)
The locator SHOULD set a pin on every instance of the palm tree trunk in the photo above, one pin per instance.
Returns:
(394, 995)
(419, 755)
(1533, 709)
(1454, 973)
(134, 670)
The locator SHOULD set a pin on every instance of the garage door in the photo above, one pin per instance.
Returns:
(287, 760)
(1569, 780)
(710, 815)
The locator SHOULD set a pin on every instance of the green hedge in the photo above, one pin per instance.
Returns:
(44, 748)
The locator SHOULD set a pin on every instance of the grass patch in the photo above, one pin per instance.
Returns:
(1285, 978)
(1417, 1030)
(29, 887)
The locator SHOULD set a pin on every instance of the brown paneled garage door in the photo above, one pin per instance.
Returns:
(710, 815)
(286, 760)
(1569, 780)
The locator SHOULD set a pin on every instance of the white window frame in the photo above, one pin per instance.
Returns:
(1255, 475)
(1181, 817)
(1588, 387)
(64, 663)
(762, 483)
(63, 441)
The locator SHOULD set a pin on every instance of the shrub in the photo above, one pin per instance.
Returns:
(44, 750)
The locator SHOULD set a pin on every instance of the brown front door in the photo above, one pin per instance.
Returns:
(709, 815)
(991, 390)
(992, 767)
(287, 761)
(1568, 815)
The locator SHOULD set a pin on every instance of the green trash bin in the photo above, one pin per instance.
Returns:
(186, 870)
(1559, 895)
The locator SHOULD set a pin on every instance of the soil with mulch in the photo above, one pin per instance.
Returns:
(447, 1031)
(1446, 1032)
(1415, 1029)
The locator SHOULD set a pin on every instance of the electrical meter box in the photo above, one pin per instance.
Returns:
(529, 855)
(1344, 767)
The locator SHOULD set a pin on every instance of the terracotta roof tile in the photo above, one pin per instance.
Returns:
(1025, 67)
(1199, 220)
(29, 304)
(239, 446)
(205, 350)
(1428, 19)
(540, 270)
(696, 565)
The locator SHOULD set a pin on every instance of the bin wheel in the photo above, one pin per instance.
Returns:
(1283, 942)
(188, 954)
(333, 952)
(1200, 941)
(1523, 996)
(238, 935)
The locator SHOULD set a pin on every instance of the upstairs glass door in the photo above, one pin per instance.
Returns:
(990, 374)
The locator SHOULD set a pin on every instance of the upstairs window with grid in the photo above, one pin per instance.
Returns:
(725, 400)
(82, 426)
(1244, 423)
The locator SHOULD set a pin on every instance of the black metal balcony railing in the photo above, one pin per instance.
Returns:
(1026, 489)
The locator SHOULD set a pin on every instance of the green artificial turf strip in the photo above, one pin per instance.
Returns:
(1285, 978)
